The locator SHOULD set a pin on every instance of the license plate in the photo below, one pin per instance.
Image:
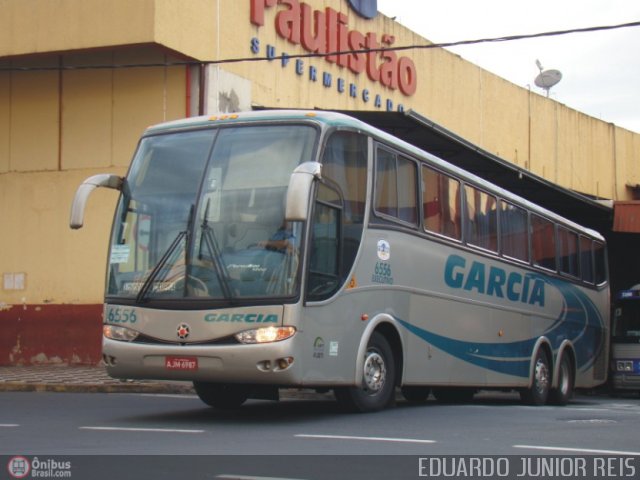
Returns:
(181, 363)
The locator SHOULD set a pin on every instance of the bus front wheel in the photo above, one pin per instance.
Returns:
(378, 379)
(538, 392)
(220, 395)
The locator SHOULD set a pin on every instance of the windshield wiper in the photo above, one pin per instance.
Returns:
(146, 286)
(216, 256)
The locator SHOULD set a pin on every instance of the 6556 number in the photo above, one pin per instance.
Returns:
(121, 315)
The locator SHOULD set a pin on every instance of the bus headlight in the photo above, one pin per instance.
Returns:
(266, 334)
(119, 333)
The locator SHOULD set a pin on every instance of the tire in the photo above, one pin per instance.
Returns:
(454, 394)
(415, 394)
(538, 393)
(221, 395)
(378, 380)
(566, 380)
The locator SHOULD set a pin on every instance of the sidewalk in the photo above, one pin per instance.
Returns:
(82, 378)
(94, 379)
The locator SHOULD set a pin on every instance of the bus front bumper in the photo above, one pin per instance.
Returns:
(270, 364)
(626, 381)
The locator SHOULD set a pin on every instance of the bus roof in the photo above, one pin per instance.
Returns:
(336, 119)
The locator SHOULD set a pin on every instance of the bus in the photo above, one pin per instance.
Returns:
(304, 249)
(625, 342)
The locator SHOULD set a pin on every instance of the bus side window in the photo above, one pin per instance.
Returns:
(600, 262)
(396, 192)
(543, 242)
(481, 219)
(586, 259)
(441, 203)
(568, 244)
(344, 166)
(514, 231)
(386, 184)
(324, 265)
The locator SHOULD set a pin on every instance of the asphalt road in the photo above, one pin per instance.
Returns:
(60, 425)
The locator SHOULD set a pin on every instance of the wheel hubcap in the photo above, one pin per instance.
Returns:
(564, 379)
(542, 377)
(375, 372)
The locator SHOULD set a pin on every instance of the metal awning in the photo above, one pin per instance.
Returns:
(626, 217)
(416, 129)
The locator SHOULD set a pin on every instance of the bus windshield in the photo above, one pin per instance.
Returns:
(627, 318)
(202, 216)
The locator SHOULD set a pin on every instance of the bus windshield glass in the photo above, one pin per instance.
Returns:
(201, 216)
(627, 319)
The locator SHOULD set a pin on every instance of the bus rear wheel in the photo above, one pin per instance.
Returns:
(378, 379)
(566, 379)
(538, 393)
(221, 395)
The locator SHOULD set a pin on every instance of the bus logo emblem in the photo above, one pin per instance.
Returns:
(183, 331)
(384, 250)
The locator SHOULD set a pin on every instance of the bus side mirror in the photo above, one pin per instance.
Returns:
(84, 190)
(299, 191)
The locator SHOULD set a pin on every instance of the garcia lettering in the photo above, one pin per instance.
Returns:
(241, 318)
(493, 281)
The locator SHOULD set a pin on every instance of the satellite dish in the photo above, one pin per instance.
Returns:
(547, 78)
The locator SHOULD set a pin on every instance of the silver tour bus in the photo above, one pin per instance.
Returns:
(291, 249)
(625, 342)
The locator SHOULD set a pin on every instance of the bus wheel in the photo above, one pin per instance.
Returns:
(539, 391)
(378, 379)
(220, 395)
(563, 392)
(415, 394)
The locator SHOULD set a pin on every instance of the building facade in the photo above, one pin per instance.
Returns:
(80, 80)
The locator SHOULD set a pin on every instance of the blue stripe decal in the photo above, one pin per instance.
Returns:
(579, 321)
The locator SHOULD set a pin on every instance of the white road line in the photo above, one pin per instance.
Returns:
(576, 450)
(244, 477)
(8, 425)
(586, 409)
(153, 430)
(370, 439)
(166, 395)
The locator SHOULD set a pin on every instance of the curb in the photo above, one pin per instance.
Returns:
(96, 388)
(134, 387)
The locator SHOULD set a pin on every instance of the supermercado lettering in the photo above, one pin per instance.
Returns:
(494, 281)
(327, 31)
(241, 318)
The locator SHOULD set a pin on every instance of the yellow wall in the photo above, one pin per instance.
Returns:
(552, 140)
(61, 265)
(627, 157)
(36, 26)
(58, 127)
(39, 26)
